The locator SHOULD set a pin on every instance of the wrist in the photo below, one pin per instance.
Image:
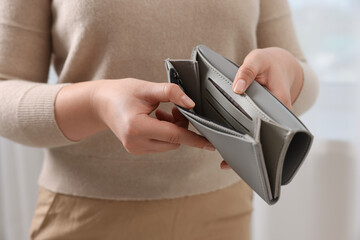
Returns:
(96, 101)
(75, 113)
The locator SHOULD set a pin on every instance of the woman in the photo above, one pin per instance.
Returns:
(110, 169)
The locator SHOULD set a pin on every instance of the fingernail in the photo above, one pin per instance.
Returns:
(240, 86)
(209, 147)
(187, 101)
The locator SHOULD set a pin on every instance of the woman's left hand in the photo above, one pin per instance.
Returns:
(274, 68)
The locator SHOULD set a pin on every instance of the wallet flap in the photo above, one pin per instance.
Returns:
(242, 153)
(274, 140)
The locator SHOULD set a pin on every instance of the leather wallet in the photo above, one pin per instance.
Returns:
(261, 140)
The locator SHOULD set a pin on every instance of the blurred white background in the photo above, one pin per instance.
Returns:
(322, 201)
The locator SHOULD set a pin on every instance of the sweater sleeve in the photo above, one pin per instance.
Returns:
(275, 29)
(26, 100)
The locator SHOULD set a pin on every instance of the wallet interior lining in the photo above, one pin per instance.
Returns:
(294, 154)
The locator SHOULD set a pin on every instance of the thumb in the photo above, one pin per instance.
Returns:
(168, 92)
(252, 67)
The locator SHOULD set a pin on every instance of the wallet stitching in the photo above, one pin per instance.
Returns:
(227, 81)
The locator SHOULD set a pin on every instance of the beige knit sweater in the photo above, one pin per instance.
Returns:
(113, 39)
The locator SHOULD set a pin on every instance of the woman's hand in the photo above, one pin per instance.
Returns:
(124, 106)
(274, 68)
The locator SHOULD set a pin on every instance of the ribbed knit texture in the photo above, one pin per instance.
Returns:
(89, 40)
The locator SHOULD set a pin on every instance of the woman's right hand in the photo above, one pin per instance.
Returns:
(124, 105)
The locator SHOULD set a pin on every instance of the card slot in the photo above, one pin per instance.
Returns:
(223, 79)
(233, 115)
(191, 115)
(231, 100)
(219, 116)
(233, 122)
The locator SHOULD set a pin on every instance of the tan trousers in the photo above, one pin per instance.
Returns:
(222, 214)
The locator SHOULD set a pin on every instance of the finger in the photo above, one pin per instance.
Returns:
(171, 133)
(160, 146)
(179, 119)
(254, 64)
(176, 117)
(168, 92)
(224, 165)
(145, 146)
(163, 116)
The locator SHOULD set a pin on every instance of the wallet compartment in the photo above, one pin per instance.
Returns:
(261, 140)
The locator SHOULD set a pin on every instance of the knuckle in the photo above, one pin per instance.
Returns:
(169, 89)
(129, 129)
(248, 71)
(132, 148)
(263, 80)
(173, 138)
(129, 132)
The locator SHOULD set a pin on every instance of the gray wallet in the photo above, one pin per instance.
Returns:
(261, 140)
